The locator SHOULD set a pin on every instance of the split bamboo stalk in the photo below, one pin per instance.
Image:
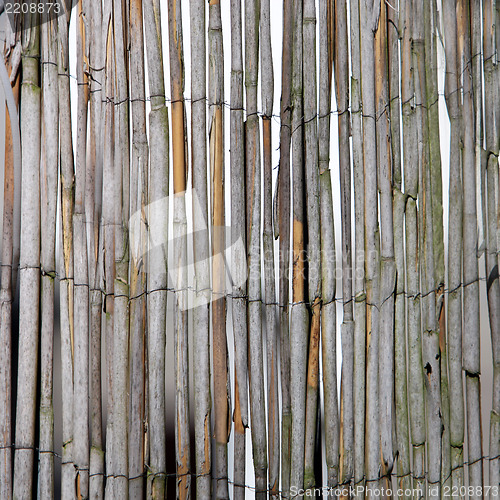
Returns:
(121, 284)
(313, 233)
(493, 286)
(12, 177)
(328, 257)
(253, 186)
(180, 251)
(372, 260)
(347, 328)
(48, 201)
(412, 289)
(400, 349)
(66, 302)
(137, 267)
(201, 313)
(95, 233)
(387, 260)
(81, 436)
(238, 259)
(29, 271)
(157, 238)
(452, 86)
(299, 315)
(283, 204)
(470, 342)
(359, 237)
(267, 87)
(430, 335)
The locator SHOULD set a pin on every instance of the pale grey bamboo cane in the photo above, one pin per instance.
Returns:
(202, 399)
(412, 290)
(471, 338)
(359, 236)
(121, 285)
(328, 257)
(400, 351)
(137, 267)
(387, 263)
(452, 86)
(299, 315)
(347, 328)
(313, 233)
(493, 286)
(180, 251)
(283, 203)
(372, 261)
(48, 201)
(220, 361)
(12, 177)
(238, 240)
(29, 273)
(253, 185)
(66, 262)
(81, 436)
(157, 238)
(95, 233)
(267, 88)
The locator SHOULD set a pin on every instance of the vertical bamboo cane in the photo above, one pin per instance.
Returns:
(299, 315)
(372, 262)
(412, 290)
(29, 273)
(66, 303)
(470, 343)
(202, 400)
(454, 250)
(267, 85)
(493, 285)
(121, 285)
(359, 236)
(342, 93)
(328, 257)
(157, 238)
(284, 243)
(7, 291)
(180, 226)
(48, 199)
(253, 185)
(238, 239)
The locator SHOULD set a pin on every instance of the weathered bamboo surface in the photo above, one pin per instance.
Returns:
(206, 295)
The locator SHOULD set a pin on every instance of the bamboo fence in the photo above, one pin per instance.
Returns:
(206, 295)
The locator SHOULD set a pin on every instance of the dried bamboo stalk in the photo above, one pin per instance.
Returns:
(470, 342)
(283, 204)
(400, 347)
(121, 284)
(66, 302)
(313, 233)
(157, 237)
(299, 315)
(238, 260)
(180, 252)
(253, 186)
(347, 328)
(48, 201)
(359, 237)
(412, 289)
(372, 261)
(12, 177)
(491, 96)
(202, 399)
(452, 86)
(29, 272)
